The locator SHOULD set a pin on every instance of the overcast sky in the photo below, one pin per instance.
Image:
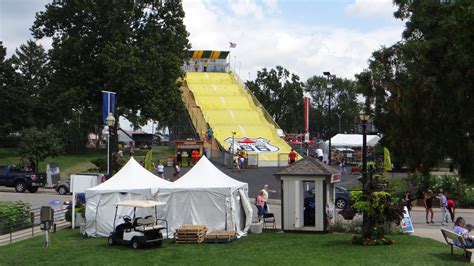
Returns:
(305, 36)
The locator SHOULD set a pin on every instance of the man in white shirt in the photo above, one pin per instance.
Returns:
(320, 154)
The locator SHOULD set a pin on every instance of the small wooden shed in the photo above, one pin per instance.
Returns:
(294, 179)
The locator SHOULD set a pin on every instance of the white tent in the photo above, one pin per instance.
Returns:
(205, 195)
(352, 140)
(132, 182)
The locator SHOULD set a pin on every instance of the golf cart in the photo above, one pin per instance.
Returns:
(139, 231)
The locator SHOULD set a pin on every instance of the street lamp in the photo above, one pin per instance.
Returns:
(110, 123)
(329, 86)
(232, 150)
(364, 117)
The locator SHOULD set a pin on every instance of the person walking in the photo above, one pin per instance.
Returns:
(179, 159)
(428, 202)
(160, 169)
(443, 204)
(265, 190)
(177, 170)
(407, 201)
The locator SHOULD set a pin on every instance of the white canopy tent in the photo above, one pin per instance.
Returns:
(205, 195)
(132, 182)
(352, 140)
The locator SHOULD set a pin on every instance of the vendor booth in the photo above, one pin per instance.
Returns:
(205, 195)
(132, 182)
(302, 210)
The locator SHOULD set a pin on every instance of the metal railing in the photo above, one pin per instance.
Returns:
(20, 229)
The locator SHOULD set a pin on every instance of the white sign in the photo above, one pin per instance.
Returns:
(335, 178)
(406, 224)
(257, 145)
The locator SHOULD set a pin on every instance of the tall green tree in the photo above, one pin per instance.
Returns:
(343, 105)
(281, 93)
(13, 100)
(421, 87)
(134, 48)
(31, 63)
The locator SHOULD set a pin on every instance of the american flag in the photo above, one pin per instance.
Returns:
(232, 45)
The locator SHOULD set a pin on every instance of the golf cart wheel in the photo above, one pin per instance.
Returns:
(341, 203)
(20, 186)
(110, 241)
(135, 243)
(62, 190)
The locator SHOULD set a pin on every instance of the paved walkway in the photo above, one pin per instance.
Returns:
(422, 229)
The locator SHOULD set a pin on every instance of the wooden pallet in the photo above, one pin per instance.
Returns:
(191, 228)
(221, 236)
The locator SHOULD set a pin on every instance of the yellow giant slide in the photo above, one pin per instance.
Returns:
(227, 106)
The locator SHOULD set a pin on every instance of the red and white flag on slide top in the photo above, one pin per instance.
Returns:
(232, 45)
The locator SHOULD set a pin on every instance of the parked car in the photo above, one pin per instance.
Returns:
(14, 176)
(343, 198)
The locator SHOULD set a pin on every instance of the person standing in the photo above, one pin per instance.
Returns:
(265, 190)
(195, 155)
(428, 202)
(196, 66)
(443, 204)
(292, 156)
(452, 208)
(206, 64)
(407, 201)
(320, 154)
(260, 204)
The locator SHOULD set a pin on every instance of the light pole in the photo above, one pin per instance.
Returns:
(232, 150)
(110, 123)
(366, 220)
(364, 117)
(329, 86)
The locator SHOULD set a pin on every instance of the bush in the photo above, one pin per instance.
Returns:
(14, 216)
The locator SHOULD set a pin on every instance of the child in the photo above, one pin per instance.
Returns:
(259, 202)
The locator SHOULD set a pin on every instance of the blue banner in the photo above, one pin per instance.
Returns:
(406, 223)
(108, 104)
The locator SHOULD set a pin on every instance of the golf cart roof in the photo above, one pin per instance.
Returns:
(140, 203)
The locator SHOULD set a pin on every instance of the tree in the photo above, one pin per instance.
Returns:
(134, 48)
(421, 87)
(13, 100)
(282, 95)
(343, 105)
(36, 145)
(31, 63)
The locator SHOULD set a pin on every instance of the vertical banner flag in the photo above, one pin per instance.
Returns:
(406, 223)
(307, 102)
(108, 104)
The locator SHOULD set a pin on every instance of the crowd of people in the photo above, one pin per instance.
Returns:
(446, 202)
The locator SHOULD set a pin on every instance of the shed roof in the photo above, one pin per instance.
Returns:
(308, 166)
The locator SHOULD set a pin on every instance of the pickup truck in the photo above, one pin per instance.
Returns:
(13, 176)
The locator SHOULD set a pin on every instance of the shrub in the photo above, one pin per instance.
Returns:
(14, 216)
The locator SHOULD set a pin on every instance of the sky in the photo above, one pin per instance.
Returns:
(306, 37)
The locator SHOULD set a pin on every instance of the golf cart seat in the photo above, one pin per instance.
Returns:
(147, 224)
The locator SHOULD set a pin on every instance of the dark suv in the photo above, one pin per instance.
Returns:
(343, 198)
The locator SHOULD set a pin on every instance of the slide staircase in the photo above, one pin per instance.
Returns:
(220, 101)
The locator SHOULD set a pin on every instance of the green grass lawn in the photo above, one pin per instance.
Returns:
(269, 248)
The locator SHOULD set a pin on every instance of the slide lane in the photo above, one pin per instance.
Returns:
(227, 108)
